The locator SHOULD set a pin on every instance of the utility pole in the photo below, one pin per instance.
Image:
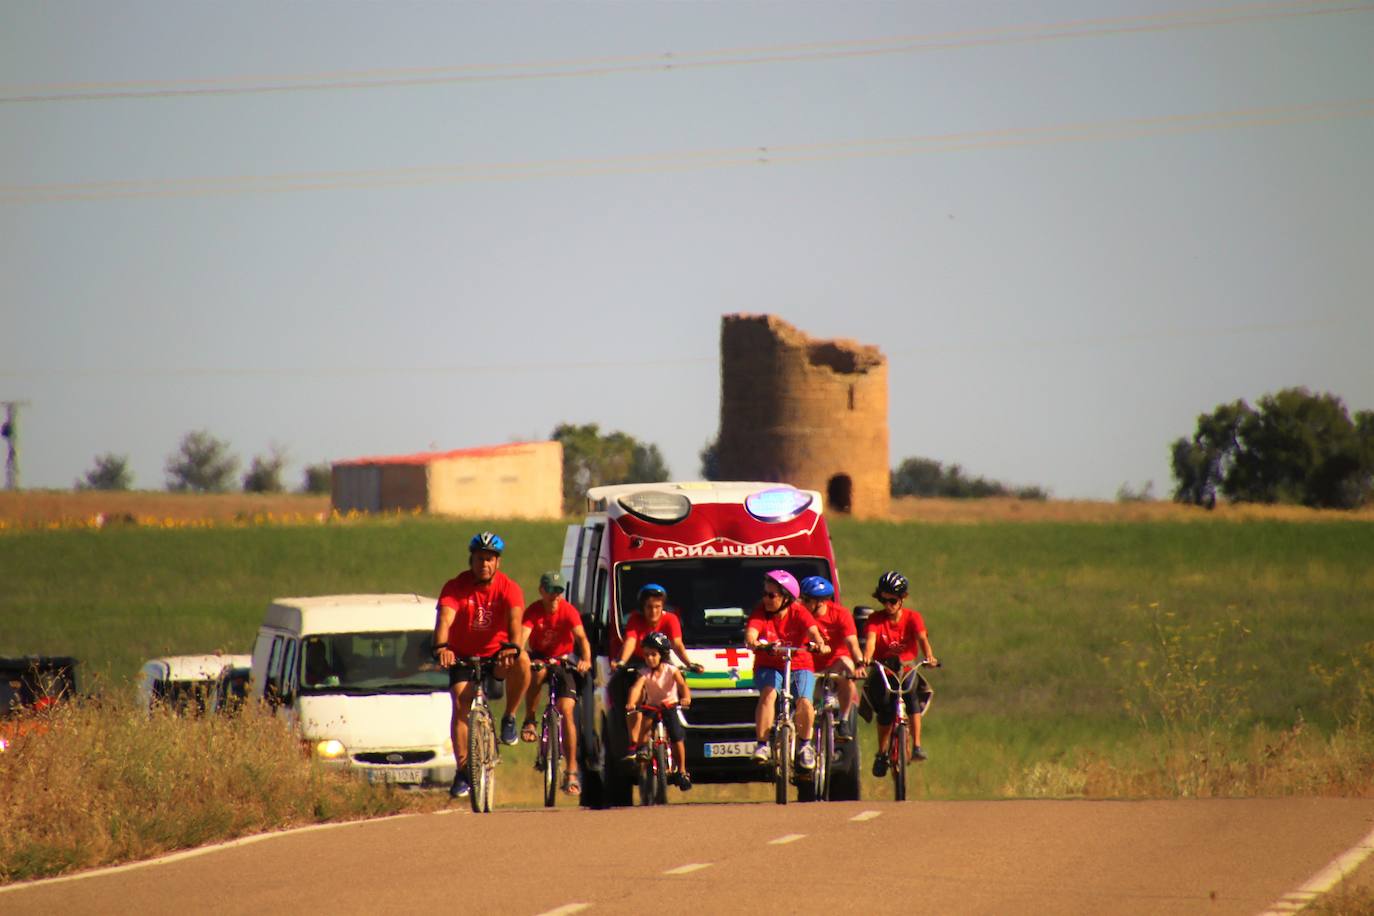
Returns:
(10, 431)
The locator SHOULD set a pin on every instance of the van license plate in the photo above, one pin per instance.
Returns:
(729, 748)
(397, 774)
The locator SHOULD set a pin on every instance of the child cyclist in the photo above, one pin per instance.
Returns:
(837, 625)
(661, 685)
(780, 618)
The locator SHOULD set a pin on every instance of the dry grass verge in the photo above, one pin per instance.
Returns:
(102, 783)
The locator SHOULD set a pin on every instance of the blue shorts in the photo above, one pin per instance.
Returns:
(803, 682)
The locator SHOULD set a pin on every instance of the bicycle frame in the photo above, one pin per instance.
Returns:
(484, 751)
(782, 734)
(660, 761)
(549, 756)
(897, 686)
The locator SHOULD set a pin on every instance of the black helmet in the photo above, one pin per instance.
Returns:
(658, 641)
(486, 540)
(892, 582)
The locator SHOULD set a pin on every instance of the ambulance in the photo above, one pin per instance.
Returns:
(708, 544)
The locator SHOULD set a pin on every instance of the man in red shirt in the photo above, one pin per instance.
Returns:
(893, 636)
(552, 630)
(779, 619)
(837, 626)
(479, 610)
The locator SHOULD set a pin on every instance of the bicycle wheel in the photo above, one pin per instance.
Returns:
(782, 757)
(551, 750)
(481, 758)
(646, 782)
(825, 753)
(660, 774)
(898, 751)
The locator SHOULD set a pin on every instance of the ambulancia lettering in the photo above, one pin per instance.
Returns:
(727, 550)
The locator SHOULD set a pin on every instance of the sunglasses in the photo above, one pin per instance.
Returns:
(768, 594)
(888, 600)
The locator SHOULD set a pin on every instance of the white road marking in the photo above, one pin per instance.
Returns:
(787, 838)
(1325, 879)
(192, 853)
(688, 869)
(866, 815)
(565, 909)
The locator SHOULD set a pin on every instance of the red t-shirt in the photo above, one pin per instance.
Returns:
(482, 613)
(897, 636)
(836, 625)
(638, 627)
(551, 632)
(793, 631)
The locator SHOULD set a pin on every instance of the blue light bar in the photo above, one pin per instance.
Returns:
(779, 504)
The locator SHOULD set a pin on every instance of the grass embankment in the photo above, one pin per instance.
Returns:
(1095, 660)
(97, 783)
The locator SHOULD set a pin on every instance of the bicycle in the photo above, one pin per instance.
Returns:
(551, 741)
(897, 750)
(483, 749)
(656, 758)
(782, 734)
(827, 718)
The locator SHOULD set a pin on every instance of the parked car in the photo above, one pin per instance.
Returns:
(29, 686)
(231, 690)
(185, 683)
(356, 675)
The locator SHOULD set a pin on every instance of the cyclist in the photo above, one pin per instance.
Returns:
(894, 635)
(780, 618)
(661, 685)
(553, 630)
(478, 610)
(837, 624)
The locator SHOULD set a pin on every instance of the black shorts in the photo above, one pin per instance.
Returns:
(673, 724)
(917, 698)
(567, 682)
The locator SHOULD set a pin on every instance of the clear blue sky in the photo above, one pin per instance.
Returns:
(367, 228)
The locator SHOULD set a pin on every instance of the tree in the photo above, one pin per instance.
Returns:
(202, 463)
(710, 460)
(591, 459)
(1293, 447)
(319, 478)
(110, 472)
(926, 477)
(264, 476)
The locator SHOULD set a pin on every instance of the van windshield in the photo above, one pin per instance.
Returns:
(712, 595)
(386, 662)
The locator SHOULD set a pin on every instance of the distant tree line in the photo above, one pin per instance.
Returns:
(927, 477)
(593, 459)
(204, 464)
(1292, 447)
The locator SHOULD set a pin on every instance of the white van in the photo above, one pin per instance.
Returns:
(356, 675)
(184, 683)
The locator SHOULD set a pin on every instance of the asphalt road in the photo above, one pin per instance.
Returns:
(1157, 857)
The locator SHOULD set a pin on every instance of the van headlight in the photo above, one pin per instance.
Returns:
(330, 749)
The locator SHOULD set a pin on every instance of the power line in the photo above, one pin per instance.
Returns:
(692, 160)
(670, 61)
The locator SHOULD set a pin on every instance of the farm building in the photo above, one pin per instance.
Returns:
(519, 480)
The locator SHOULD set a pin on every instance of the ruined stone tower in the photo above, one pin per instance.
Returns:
(812, 413)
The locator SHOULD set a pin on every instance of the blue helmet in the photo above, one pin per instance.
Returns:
(486, 540)
(817, 587)
(651, 590)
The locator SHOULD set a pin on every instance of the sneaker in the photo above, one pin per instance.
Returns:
(917, 753)
(761, 753)
(508, 730)
(643, 754)
(684, 782)
(631, 752)
(842, 732)
(806, 757)
(880, 764)
(460, 787)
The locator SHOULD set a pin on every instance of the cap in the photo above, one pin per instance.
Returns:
(551, 581)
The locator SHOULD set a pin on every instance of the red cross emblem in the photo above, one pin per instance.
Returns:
(732, 656)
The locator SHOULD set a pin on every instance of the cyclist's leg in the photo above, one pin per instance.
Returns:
(803, 686)
(845, 691)
(764, 711)
(461, 693)
(533, 692)
(565, 709)
(517, 678)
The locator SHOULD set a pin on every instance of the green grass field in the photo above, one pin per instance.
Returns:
(1047, 631)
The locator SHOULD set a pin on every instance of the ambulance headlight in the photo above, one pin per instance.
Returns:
(779, 504)
(330, 749)
(657, 507)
